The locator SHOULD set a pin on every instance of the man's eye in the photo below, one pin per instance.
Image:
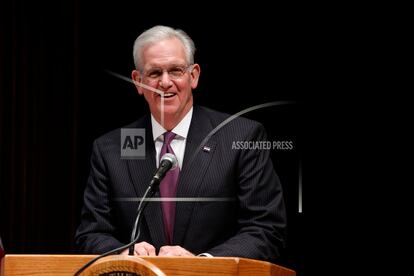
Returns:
(154, 73)
(176, 71)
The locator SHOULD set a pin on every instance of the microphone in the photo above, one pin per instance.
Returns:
(168, 162)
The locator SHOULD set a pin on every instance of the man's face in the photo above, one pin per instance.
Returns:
(165, 68)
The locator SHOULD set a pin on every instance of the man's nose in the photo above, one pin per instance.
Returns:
(165, 80)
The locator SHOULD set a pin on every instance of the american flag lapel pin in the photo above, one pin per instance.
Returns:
(206, 149)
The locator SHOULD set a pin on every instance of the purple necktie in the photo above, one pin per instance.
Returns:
(168, 188)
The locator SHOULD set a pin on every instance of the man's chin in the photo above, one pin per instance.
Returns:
(168, 110)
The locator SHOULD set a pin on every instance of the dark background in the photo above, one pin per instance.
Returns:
(56, 97)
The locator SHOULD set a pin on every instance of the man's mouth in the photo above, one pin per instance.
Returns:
(167, 95)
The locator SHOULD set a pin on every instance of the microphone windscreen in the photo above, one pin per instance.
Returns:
(172, 158)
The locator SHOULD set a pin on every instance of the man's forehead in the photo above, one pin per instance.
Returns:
(165, 49)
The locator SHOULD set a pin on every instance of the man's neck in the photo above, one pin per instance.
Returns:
(169, 122)
(181, 129)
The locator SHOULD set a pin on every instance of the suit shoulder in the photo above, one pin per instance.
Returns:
(113, 136)
(218, 118)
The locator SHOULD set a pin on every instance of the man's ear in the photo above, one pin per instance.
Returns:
(195, 74)
(136, 78)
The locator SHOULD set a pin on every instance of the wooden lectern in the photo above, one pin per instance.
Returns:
(117, 265)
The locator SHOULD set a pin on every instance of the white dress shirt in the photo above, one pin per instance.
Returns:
(179, 141)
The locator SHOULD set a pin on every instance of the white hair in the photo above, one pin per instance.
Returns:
(158, 33)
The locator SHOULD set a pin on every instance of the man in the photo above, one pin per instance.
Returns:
(242, 211)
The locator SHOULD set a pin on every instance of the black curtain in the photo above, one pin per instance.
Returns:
(57, 96)
(39, 104)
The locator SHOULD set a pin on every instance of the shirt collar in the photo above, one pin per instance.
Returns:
(181, 130)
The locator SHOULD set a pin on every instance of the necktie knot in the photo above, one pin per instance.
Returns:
(168, 137)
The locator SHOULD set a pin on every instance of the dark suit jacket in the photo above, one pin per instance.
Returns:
(251, 226)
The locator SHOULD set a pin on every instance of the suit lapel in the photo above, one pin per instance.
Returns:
(196, 160)
(141, 172)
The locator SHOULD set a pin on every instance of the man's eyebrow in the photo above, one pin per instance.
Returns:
(157, 66)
